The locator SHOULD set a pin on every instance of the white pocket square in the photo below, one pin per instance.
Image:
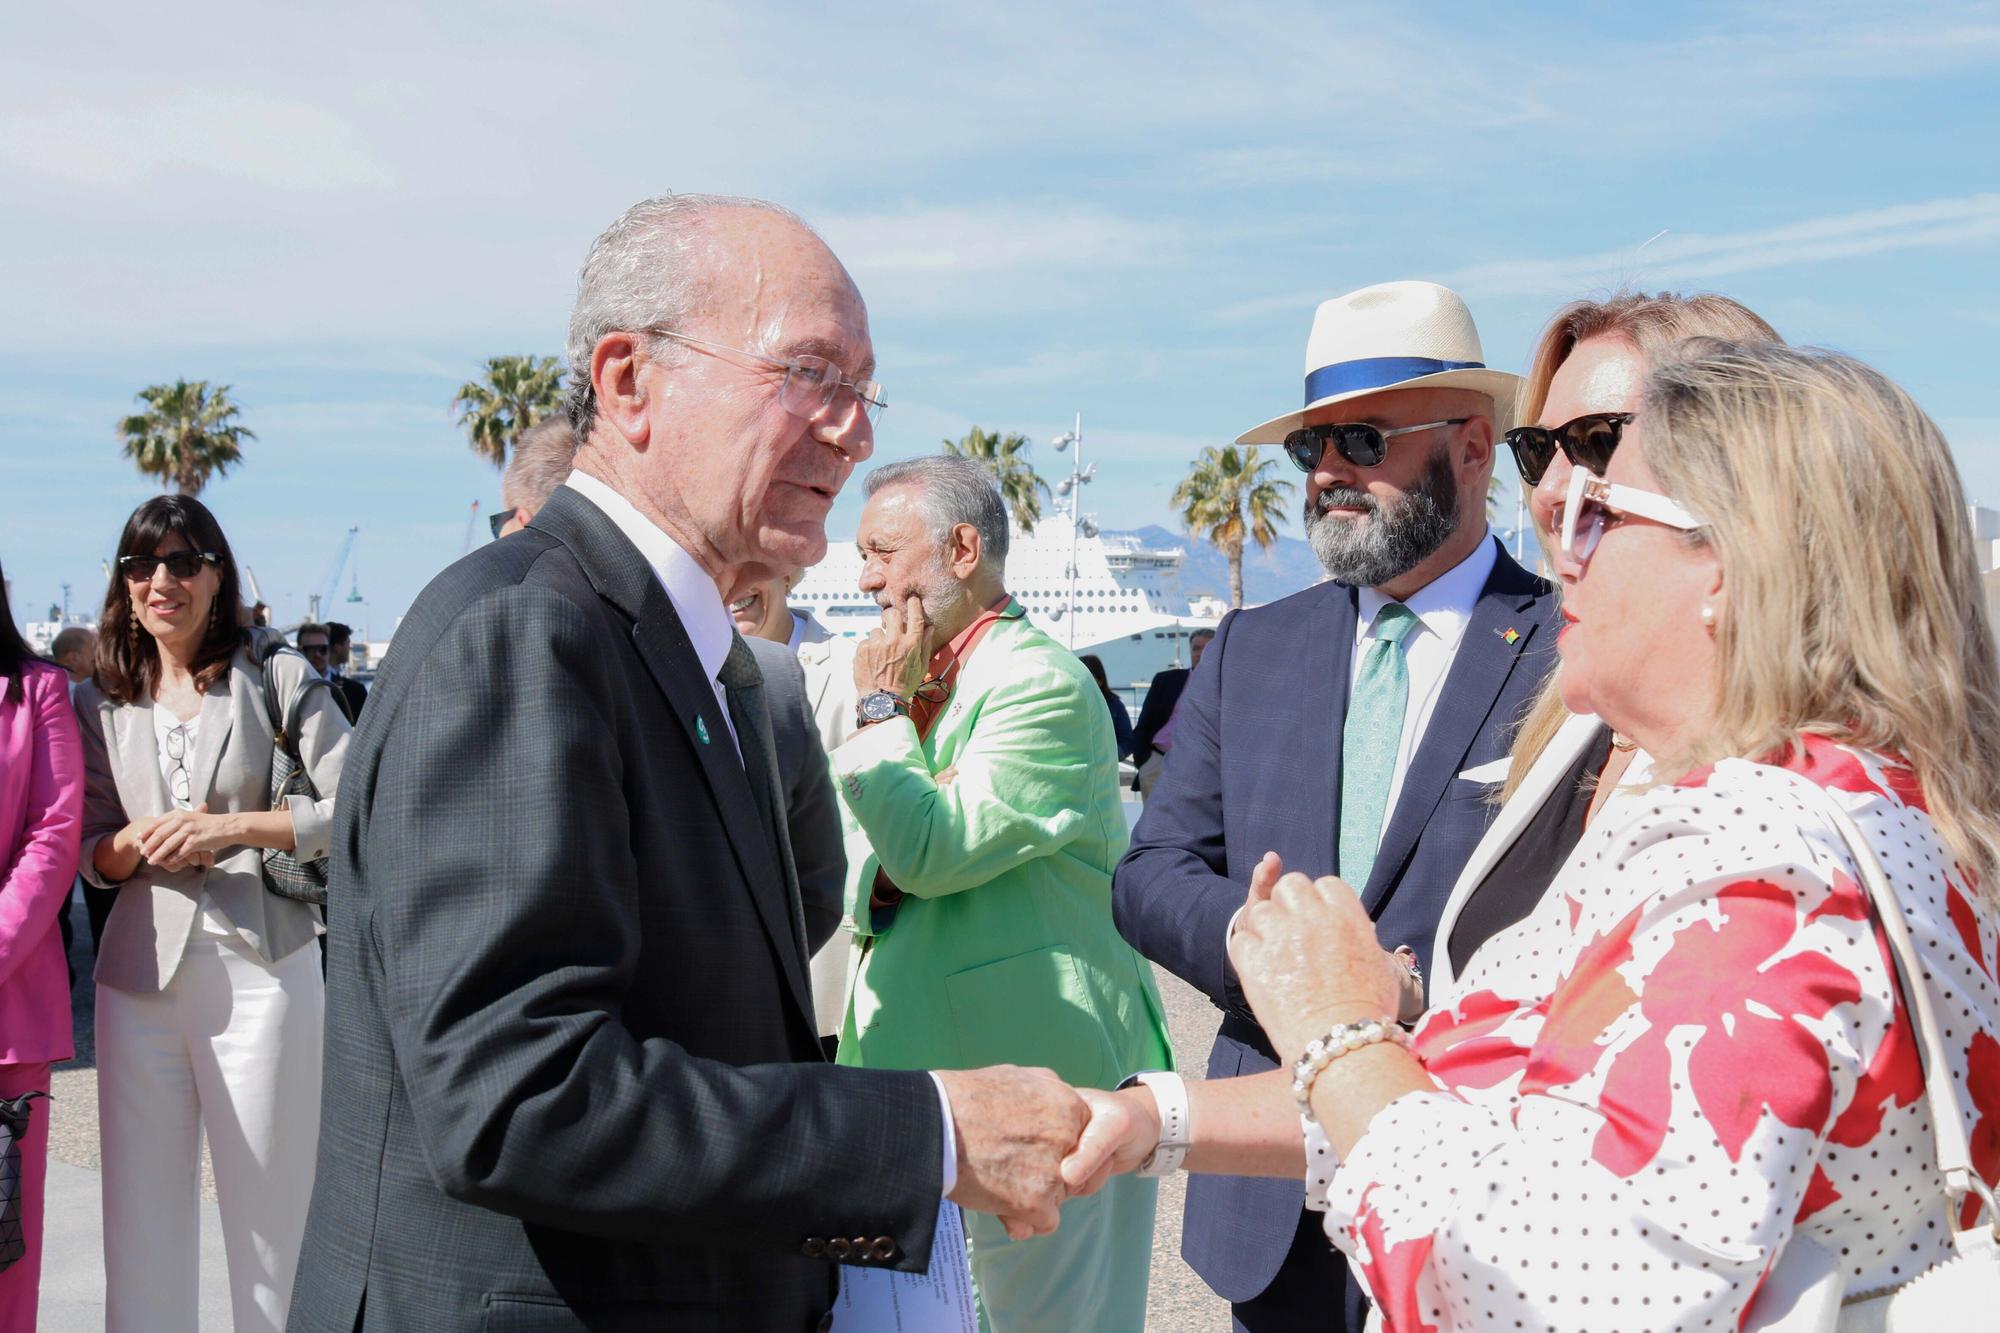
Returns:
(1489, 773)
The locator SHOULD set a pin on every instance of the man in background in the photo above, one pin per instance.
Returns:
(313, 640)
(1154, 734)
(75, 651)
(1350, 710)
(983, 820)
(541, 462)
(349, 693)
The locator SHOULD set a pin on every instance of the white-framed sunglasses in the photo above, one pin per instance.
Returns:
(1591, 502)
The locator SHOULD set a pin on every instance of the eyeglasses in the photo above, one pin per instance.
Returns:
(1588, 442)
(181, 564)
(1358, 442)
(177, 778)
(1592, 501)
(501, 520)
(810, 381)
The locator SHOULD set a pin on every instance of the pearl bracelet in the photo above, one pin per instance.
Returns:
(1323, 1051)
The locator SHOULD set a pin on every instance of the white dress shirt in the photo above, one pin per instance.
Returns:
(705, 616)
(697, 601)
(1443, 608)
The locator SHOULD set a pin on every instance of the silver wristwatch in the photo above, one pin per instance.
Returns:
(879, 707)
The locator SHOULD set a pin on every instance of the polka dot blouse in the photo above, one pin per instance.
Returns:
(1689, 1053)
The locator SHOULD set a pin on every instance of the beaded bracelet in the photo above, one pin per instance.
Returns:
(1323, 1051)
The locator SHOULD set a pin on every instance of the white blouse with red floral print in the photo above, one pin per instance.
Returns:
(1683, 1057)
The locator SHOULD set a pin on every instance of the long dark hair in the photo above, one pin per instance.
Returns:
(1095, 666)
(128, 661)
(14, 651)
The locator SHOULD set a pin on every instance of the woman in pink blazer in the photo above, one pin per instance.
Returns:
(41, 818)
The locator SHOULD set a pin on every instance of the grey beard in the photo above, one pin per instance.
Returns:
(1395, 538)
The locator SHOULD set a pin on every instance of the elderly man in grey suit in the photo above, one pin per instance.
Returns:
(573, 1080)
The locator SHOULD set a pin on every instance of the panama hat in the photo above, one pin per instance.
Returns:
(1394, 335)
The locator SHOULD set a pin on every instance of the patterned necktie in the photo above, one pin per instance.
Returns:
(743, 682)
(1370, 741)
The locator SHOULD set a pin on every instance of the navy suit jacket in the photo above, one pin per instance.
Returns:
(1255, 767)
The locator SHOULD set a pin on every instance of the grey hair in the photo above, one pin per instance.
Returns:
(951, 491)
(640, 273)
(542, 460)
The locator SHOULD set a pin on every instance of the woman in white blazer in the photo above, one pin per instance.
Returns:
(1583, 385)
(209, 1000)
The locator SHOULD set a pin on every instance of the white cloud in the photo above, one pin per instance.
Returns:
(1680, 258)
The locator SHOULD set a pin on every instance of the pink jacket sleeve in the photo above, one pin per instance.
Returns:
(41, 867)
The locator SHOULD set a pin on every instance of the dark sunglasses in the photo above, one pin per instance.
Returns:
(1358, 442)
(1588, 442)
(499, 521)
(181, 564)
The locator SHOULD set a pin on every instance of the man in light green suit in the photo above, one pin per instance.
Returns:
(981, 805)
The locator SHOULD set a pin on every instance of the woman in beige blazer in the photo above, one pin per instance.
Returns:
(209, 1001)
(1587, 373)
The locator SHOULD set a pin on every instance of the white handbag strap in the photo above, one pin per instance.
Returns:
(1954, 1153)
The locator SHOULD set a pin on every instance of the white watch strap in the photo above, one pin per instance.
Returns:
(1176, 1124)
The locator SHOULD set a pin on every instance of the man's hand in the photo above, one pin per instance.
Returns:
(893, 658)
(1014, 1126)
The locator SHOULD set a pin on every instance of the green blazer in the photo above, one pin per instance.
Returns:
(1003, 950)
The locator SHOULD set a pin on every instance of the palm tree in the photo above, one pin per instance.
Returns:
(1003, 456)
(187, 434)
(1223, 486)
(517, 392)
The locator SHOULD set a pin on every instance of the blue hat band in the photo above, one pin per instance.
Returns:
(1376, 372)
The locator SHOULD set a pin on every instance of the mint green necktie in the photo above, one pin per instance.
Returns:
(1370, 741)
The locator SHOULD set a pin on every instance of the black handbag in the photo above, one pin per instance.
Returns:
(284, 873)
(13, 1128)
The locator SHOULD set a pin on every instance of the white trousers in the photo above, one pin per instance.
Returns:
(231, 1047)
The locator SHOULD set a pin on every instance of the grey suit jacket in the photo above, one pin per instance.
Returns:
(812, 816)
(231, 771)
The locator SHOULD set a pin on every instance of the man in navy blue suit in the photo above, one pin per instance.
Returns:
(1340, 727)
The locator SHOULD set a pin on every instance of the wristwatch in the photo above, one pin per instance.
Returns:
(880, 707)
(1170, 1095)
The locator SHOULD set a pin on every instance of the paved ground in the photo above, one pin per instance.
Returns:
(73, 1263)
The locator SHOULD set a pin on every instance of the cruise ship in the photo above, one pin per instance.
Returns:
(1128, 608)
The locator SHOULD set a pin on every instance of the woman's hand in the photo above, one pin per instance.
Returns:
(179, 839)
(1306, 954)
(1124, 1128)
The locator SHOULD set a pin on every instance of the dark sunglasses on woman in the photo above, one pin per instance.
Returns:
(1356, 441)
(1588, 442)
(181, 564)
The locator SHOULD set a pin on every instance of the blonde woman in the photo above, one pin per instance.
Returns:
(1693, 1050)
(1582, 389)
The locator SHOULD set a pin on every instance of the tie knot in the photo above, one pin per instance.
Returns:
(1392, 622)
(739, 669)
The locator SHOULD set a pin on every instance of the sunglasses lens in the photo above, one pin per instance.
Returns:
(1533, 448)
(1361, 445)
(1591, 441)
(1304, 447)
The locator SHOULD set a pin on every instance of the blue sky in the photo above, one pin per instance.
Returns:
(1127, 211)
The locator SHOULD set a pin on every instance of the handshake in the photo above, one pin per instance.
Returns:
(1027, 1141)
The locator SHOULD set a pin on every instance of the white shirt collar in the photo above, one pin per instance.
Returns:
(696, 600)
(1444, 605)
